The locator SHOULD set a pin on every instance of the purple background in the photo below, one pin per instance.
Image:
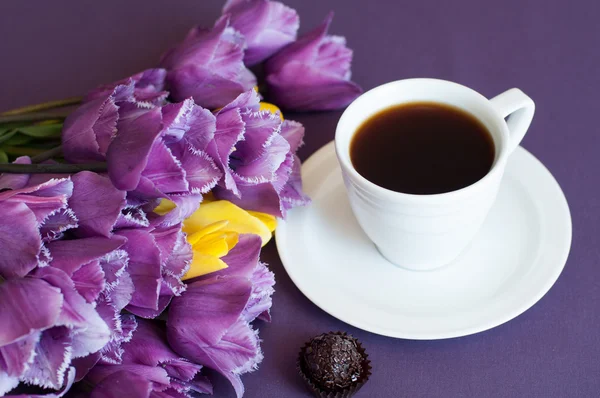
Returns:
(56, 49)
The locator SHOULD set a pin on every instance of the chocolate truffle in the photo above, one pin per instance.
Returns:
(334, 364)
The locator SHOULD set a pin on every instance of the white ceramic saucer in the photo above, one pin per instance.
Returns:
(516, 258)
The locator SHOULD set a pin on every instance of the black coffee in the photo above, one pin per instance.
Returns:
(422, 148)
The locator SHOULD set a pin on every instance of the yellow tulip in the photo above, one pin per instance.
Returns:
(213, 230)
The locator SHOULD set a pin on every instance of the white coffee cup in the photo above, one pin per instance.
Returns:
(423, 232)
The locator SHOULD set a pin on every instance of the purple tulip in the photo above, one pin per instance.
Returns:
(256, 153)
(209, 323)
(30, 216)
(148, 367)
(267, 26)
(89, 130)
(146, 88)
(312, 73)
(208, 66)
(46, 323)
(158, 258)
(115, 258)
(161, 153)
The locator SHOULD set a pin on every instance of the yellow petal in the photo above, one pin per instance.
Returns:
(194, 236)
(232, 239)
(239, 219)
(203, 264)
(215, 244)
(265, 106)
(267, 219)
(164, 207)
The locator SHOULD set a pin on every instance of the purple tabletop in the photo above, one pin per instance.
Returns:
(549, 49)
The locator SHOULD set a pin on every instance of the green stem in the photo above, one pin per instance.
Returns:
(49, 154)
(34, 117)
(43, 106)
(59, 168)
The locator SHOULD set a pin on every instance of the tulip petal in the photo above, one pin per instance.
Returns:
(292, 194)
(230, 130)
(247, 101)
(83, 365)
(293, 132)
(201, 172)
(149, 86)
(260, 302)
(88, 131)
(145, 87)
(55, 224)
(261, 129)
(267, 26)
(149, 347)
(132, 217)
(175, 255)
(237, 352)
(89, 281)
(15, 181)
(123, 327)
(208, 88)
(19, 231)
(323, 64)
(305, 49)
(52, 358)
(264, 168)
(7, 383)
(315, 91)
(165, 171)
(68, 383)
(123, 384)
(119, 286)
(185, 205)
(16, 357)
(178, 261)
(201, 316)
(242, 259)
(128, 154)
(208, 66)
(239, 220)
(69, 255)
(267, 219)
(144, 269)
(88, 332)
(260, 197)
(188, 122)
(203, 264)
(43, 199)
(96, 203)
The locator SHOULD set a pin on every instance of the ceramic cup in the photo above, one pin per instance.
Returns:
(423, 232)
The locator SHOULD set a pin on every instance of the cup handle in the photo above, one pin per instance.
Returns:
(520, 108)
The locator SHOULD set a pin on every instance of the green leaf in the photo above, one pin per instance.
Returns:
(13, 125)
(19, 139)
(3, 157)
(44, 131)
(7, 136)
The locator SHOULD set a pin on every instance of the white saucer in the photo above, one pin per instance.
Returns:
(518, 255)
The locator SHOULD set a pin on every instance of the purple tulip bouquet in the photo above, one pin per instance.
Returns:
(133, 262)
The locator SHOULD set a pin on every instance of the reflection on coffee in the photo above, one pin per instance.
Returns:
(422, 148)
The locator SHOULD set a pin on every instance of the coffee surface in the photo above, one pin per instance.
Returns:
(422, 148)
